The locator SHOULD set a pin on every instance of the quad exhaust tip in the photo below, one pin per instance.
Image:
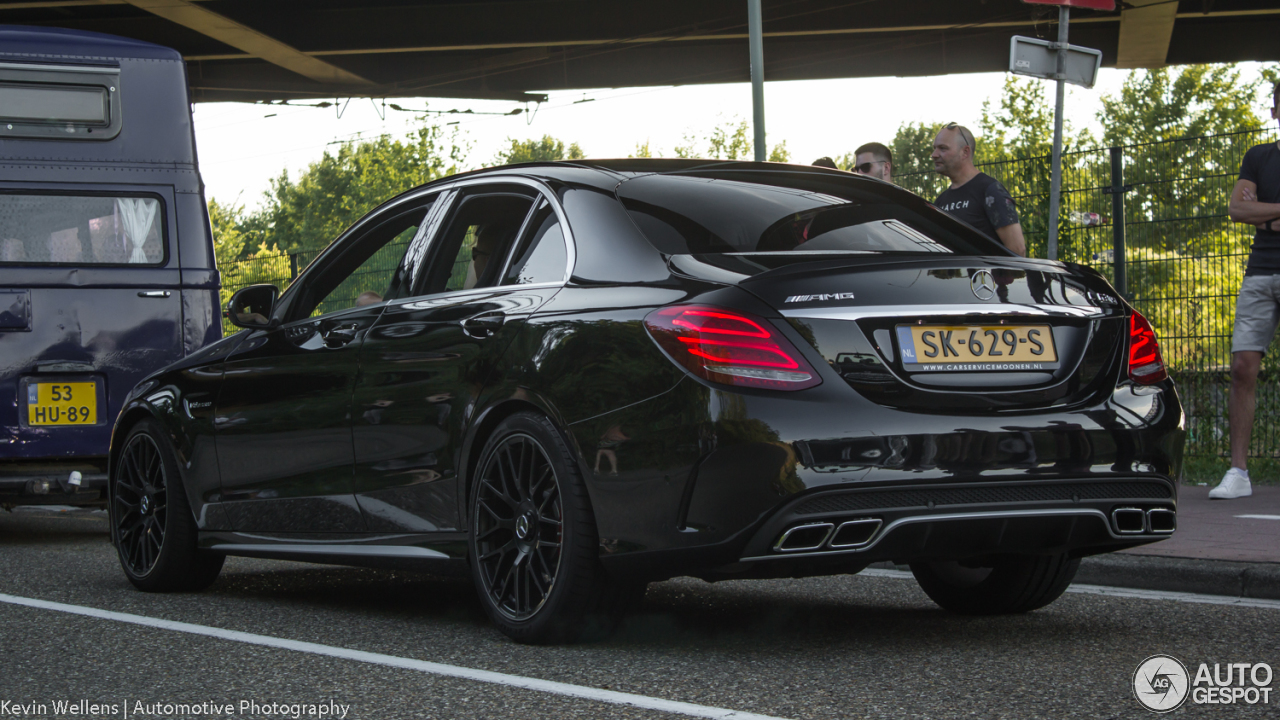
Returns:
(1136, 521)
(1129, 521)
(813, 536)
(804, 537)
(1162, 520)
(855, 533)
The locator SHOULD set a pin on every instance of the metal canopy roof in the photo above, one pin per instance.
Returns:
(513, 49)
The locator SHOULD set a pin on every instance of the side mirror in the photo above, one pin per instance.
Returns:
(250, 307)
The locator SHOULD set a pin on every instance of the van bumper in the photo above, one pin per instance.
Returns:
(53, 484)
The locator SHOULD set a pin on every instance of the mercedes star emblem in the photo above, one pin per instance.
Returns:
(983, 285)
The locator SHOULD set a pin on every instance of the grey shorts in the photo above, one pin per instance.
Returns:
(1257, 313)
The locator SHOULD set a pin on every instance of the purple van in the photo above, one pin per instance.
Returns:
(107, 269)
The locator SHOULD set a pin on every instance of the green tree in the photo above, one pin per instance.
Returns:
(229, 238)
(339, 188)
(912, 167)
(732, 140)
(544, 150)
(1164, 104)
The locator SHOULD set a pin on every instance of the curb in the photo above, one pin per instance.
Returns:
(1260, 581)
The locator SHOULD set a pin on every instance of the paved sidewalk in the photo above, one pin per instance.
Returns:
(1214, 551)
(1214, 529)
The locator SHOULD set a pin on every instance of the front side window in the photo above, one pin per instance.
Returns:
(366, 270)
(44, 229)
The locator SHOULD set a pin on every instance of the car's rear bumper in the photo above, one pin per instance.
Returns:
(52, 483)
(961, 521)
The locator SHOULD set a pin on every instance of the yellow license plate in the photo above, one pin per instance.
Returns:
(62, 403)
(960, 348)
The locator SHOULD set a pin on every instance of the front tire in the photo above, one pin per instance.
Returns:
(152, 525)
(533, 542)
(1012, 584)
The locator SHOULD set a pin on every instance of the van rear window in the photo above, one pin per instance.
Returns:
(48, 229)
(54, 104)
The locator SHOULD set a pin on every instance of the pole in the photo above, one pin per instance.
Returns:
(756, 42)
(1117, 220)
(1055, 169)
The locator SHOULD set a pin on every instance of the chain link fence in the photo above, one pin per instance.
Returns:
(1152, 217)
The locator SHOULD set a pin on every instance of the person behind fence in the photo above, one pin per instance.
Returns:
(974, 197)
(874, 160)
(1255, 200)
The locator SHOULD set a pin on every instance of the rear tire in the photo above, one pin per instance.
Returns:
(152, 525)
(1012, 584)
(534, 549)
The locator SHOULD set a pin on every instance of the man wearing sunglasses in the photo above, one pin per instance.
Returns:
(874, 160)
(974, 197)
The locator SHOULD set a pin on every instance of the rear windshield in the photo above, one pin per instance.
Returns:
(50, 229)
(755, 212)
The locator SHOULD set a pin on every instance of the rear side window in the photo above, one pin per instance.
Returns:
(45, 229)
(541, 257)
(747, 213)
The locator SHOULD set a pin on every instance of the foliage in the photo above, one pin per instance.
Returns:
(340, 187)
(544, 150)
(229, 238)
(644, 151)
(732, 140)
(912, 166)
(1156, 105)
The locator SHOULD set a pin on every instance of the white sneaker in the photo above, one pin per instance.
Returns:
(1235, 484)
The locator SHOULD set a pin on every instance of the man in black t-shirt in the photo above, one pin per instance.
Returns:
(975, 197)
(1255, 200)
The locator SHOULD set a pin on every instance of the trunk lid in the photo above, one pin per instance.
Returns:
(957, 334)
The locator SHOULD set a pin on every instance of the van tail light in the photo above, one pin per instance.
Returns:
(729, 347)
(1146, 366)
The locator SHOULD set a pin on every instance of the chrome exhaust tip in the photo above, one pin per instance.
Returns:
(1129, 521)
(804, 537)
(855, 533)
(1162, 521)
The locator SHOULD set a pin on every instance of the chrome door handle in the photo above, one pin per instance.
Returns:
(482, 326)
(339, 335)
(154, 293)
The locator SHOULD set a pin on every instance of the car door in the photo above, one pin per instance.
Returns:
(283, 423)
(500, 253)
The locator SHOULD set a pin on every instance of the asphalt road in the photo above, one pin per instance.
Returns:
(842, 647)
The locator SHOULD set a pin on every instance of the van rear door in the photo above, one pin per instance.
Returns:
(90, 302)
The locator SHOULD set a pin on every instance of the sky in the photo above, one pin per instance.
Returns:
(242, 146)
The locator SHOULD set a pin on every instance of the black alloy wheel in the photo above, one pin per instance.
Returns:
(534, 549)
(519, 527)
(152, 525)
(139, 504)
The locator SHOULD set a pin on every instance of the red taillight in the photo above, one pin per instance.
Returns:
(730, 347)
(1146, 366)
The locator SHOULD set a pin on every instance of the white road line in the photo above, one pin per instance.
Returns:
(1125, 592)
(547, 686)
(1260, 517)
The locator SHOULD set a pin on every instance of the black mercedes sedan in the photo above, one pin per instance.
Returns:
(572, 379)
